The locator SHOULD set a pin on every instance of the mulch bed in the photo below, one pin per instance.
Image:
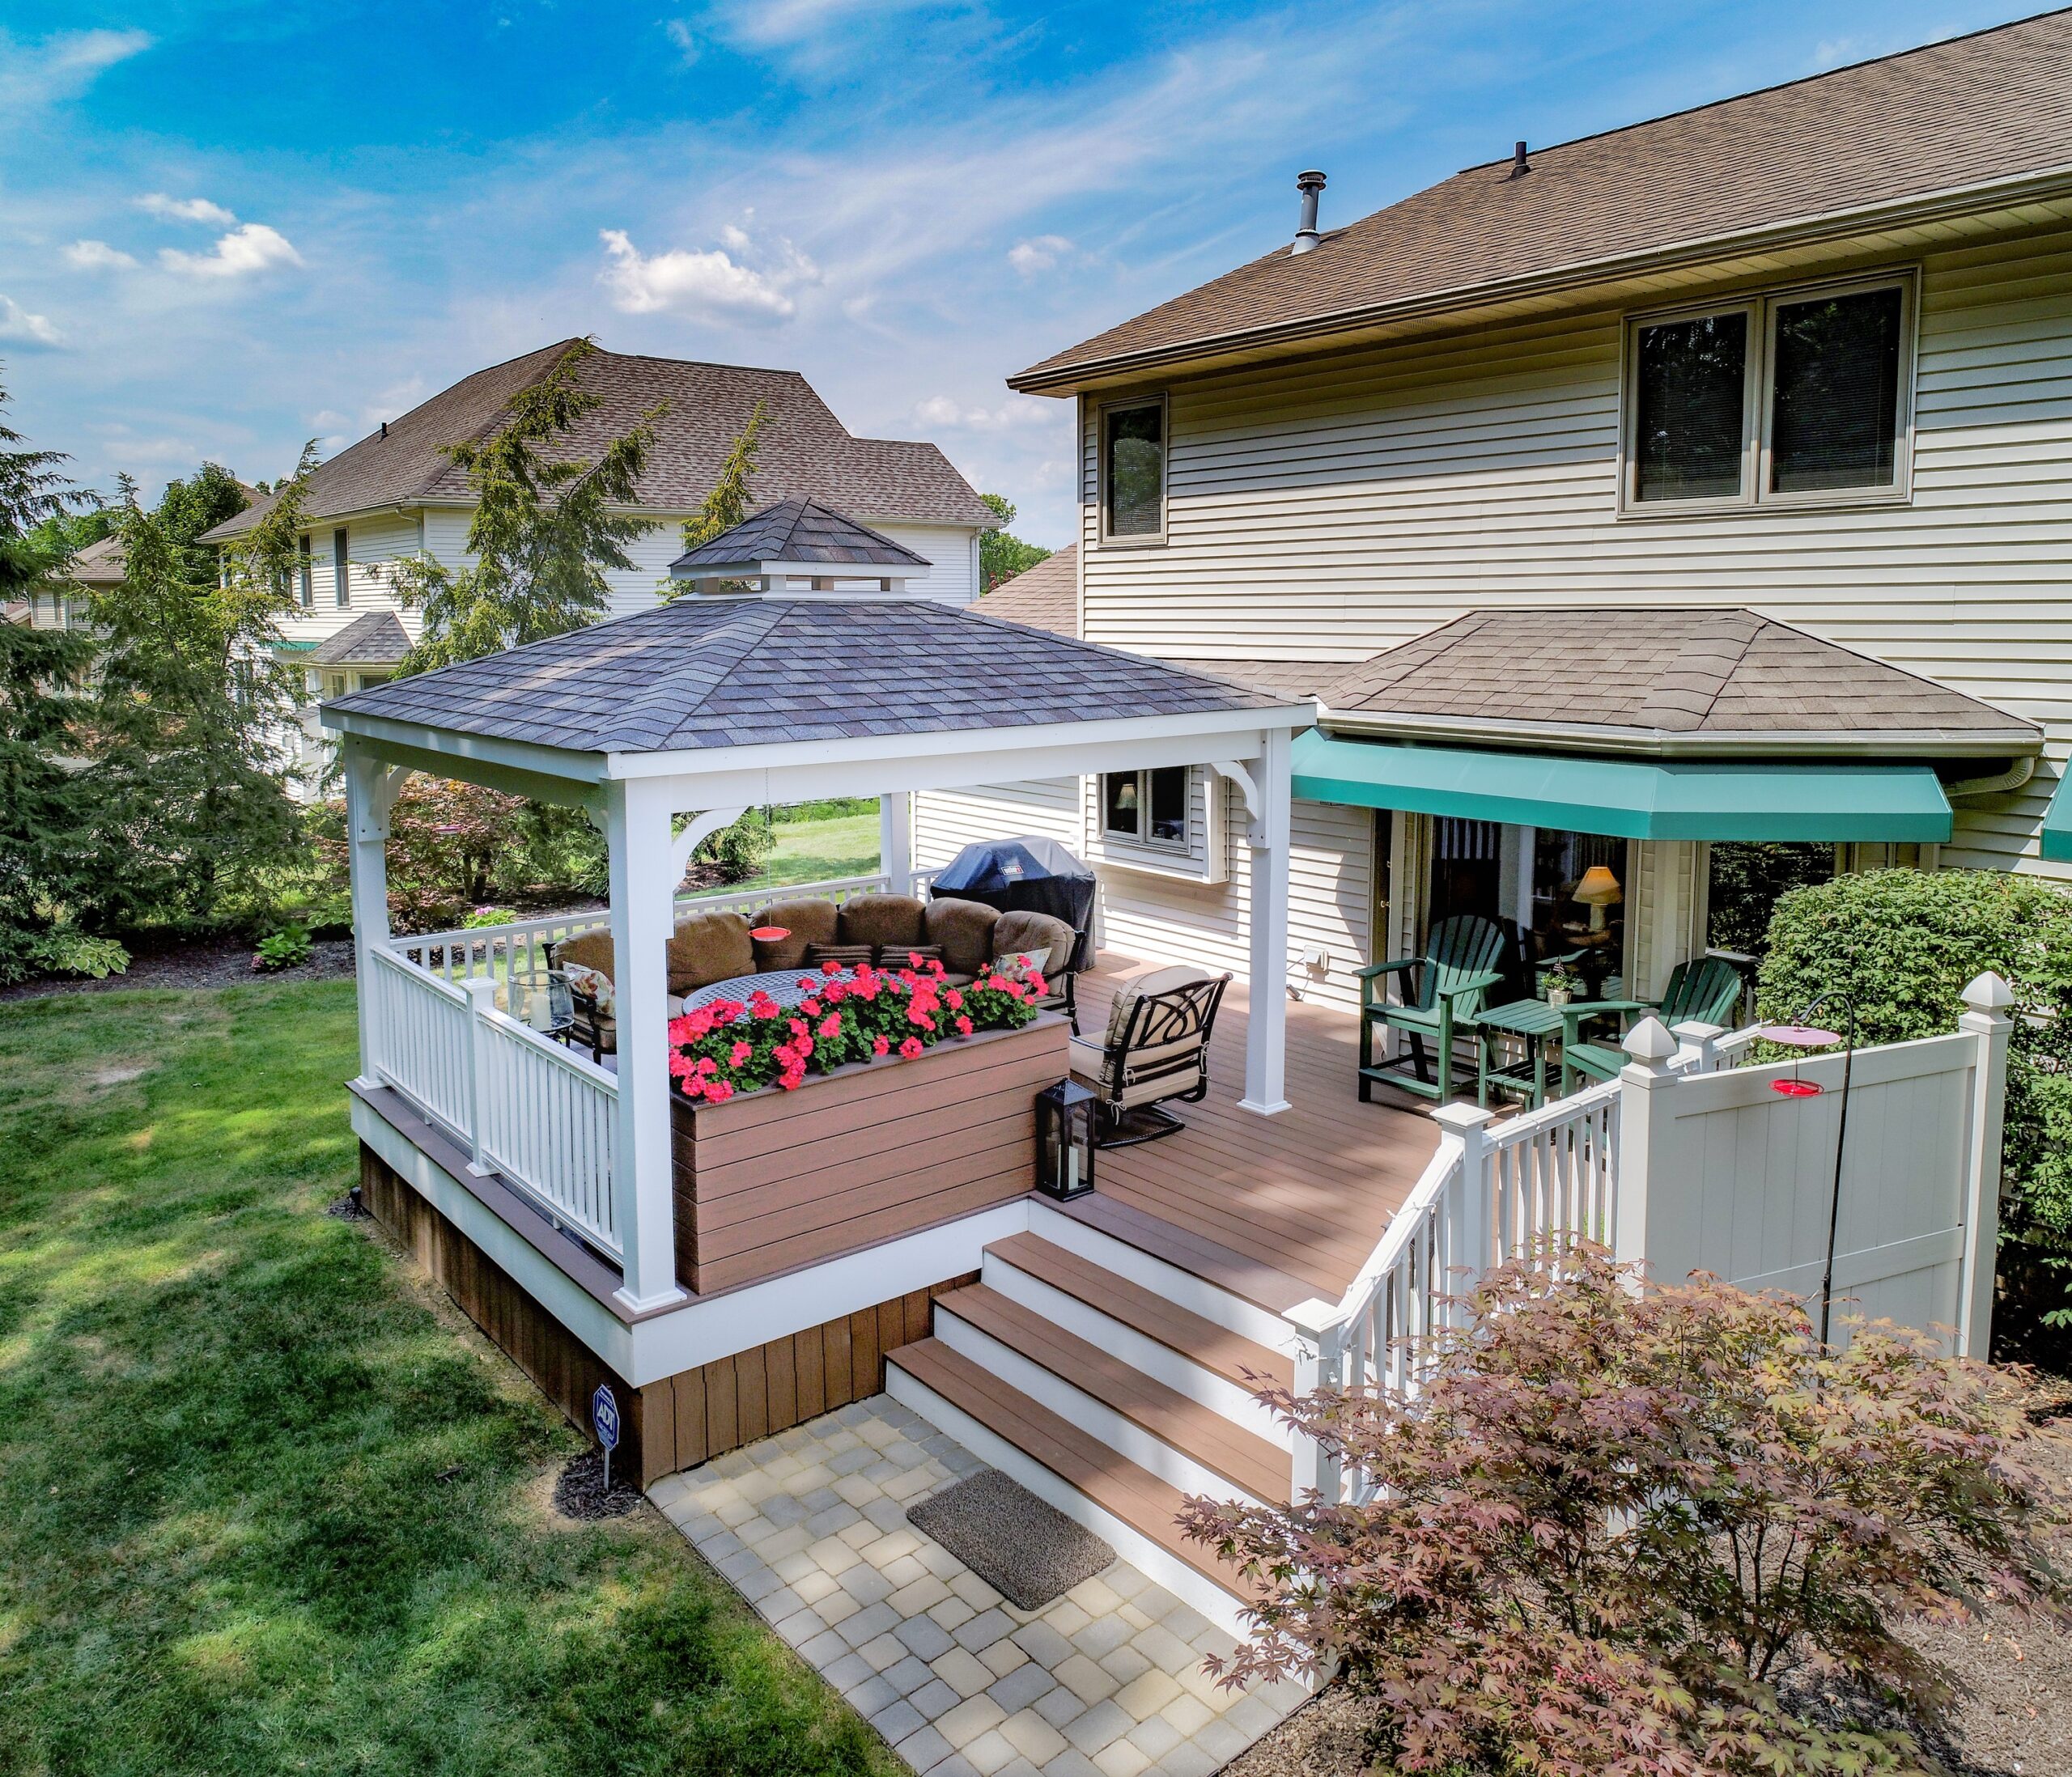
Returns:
(220, 963)
(579, 1491)
(2014, 1720)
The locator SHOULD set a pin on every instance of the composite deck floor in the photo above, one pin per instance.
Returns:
(1298, 1200)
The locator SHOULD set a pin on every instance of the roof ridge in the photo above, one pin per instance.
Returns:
(1758, 92)
(1688, 646)
(731, 638)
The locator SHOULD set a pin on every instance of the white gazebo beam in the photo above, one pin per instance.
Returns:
(895, 837)
(641, 848)
(1266, 833)
(371, 787)
(700, 829)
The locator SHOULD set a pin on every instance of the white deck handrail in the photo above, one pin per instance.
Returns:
(1489, 1194)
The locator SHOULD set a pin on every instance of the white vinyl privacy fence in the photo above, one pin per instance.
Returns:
(1685, 1163)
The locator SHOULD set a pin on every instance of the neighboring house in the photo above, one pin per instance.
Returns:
(62, 605)
(1701, 483)
(395, 493)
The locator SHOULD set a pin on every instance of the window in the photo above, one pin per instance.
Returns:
(1146, 807)
(1796, 398)
(1744, 880)
(340, 569)
(1133, 473)
(306, 589)
(1531, 881)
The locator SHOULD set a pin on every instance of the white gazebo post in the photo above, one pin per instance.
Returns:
(641, 848)
(371, 792)
(1266, 1029)
(895, 838)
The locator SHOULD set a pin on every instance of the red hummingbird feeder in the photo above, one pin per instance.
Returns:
(1801, 1037)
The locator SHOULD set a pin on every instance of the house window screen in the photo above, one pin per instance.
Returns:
(1690, 427)
(1121, 812)
(1169, 806)
(340, 569)
(1134, 470)
(1834, 415)
(305, 589)
(1147, 807)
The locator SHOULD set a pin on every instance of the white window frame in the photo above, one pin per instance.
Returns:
(305, 573)
(341, 568)
(1141, 841)
(1759, 400)
(1105, 538)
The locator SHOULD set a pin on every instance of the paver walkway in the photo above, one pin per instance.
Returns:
(811, 1526)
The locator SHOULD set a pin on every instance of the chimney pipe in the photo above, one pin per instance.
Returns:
(1308, 184)
(1520, 166)
(384, 428)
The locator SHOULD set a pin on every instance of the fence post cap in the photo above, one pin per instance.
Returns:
(1460, 1119)
(1988, 993)
(481, 988)
(1649, 1041)
(1313, 1318)
(1696, 1030)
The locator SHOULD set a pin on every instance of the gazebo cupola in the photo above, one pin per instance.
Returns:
(800, 549)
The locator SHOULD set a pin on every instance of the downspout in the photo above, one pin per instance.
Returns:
(1998, 785)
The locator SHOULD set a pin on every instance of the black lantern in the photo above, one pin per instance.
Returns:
(1065, 1139)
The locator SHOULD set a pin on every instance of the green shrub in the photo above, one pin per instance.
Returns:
(1902, 944)
(826, 808)
(290, 947)
(488, 916)
(740, 851)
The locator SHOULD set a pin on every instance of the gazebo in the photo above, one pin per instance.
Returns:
(665, 725)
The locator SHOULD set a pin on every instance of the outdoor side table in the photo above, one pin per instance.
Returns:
(1534, 1023)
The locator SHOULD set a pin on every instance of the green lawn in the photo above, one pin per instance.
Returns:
(266, 1503)
(818, 851)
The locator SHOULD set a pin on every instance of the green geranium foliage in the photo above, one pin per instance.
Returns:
(1902, 944)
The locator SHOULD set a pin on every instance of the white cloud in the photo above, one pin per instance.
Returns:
(714, 285)
(247, 249)
(1036, 254)
(191, 210)
(765, 23)
(1013, 414)
(61, 67)
(98, 255)
(681, 35)
(18, 324)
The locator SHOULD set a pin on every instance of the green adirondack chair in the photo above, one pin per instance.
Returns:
(1443, 990)
(1703, 990)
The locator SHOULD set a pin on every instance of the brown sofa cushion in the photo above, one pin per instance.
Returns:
(591, 950)
(883, 919)
(848, 956)
(709, 947)
(964, 929)
(808, 919)
(1035, 934)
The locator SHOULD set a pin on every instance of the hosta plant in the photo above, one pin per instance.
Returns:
(1626, 1530)
(734, 1046)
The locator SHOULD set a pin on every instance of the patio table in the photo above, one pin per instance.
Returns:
(781, 985)
(1533, 1022)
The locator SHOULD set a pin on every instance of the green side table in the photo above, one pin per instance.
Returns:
(1534, 1023)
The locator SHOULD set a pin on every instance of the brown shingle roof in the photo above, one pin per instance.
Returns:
(751, 671)
(1045, 596)
(1703, 673)
(805, 450)
(1995, 105)
(98, 564)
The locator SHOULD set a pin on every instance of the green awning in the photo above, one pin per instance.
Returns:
(1632, 798)
(2058, 823)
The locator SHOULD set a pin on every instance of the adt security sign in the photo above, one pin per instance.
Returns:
(604, 1420)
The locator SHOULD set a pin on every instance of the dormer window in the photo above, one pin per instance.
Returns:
(1133, 472)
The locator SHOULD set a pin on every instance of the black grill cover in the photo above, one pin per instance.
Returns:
(1028, 875)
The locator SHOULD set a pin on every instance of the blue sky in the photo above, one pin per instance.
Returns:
(225, 227)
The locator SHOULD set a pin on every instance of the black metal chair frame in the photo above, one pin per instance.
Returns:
(1177, 1014)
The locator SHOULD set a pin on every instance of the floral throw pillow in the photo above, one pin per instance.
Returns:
(597, 985)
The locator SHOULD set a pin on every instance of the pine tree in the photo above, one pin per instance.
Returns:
(546, 527)
(730, 501)
(49, 860)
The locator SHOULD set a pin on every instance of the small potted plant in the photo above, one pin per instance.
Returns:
(1563, 984)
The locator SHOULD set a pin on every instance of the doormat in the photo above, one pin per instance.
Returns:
(1026, 1549)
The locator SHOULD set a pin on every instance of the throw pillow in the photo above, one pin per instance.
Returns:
(848, 956)
(895, 957)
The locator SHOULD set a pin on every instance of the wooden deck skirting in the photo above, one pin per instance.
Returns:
(774, 1181)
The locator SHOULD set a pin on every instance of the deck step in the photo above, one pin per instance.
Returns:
(1243, 1362)
(1265, 1286)
(1116, 1485)
(1064, 1366)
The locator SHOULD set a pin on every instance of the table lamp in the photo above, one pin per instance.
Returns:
(1598, 890)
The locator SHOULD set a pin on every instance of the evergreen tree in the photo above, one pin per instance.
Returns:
(730, 500)
(1001, 556)
(49, 862)
(545, 529)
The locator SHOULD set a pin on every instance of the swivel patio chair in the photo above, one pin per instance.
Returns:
(1442, 992)
(1154, 1052)
(1703, 990)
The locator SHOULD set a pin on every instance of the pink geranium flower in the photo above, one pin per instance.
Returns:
(880, 1044)
(964, 1026)
(954, 999)
(831, 1024)
(810, 1007)
(739, 1052)
(679, 1064)
(830, 967)
(694, 1088)
(707, 1065)
(911, 1048)
(718, 1092)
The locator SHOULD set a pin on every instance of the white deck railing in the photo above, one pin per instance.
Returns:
(523, 1106)
(1493, 1192)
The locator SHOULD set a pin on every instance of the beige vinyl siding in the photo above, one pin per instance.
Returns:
(1335, 507)
(1166, 919)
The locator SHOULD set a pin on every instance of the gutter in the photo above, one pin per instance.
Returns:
(1673, 744)
(2027, 188)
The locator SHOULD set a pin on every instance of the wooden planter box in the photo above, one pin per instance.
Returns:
(776, 1180)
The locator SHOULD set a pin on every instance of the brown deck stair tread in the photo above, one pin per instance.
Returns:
(1147, 1504)
(1241, 1457)
(1263, 1285)
(1216, 1349)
